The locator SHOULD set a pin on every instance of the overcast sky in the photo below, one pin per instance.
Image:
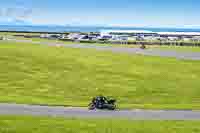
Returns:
(156, 13)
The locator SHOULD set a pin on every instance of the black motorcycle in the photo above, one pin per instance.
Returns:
(142, 46)
(101, 102)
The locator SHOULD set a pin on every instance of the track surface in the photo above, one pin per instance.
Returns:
(150, 52)
(36, 110)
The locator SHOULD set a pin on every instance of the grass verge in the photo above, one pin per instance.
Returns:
(36, 74)
(26, 124)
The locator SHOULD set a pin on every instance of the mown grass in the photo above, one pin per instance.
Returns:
(176, 48)
(44, 40)
(36, 74)
(26, 124)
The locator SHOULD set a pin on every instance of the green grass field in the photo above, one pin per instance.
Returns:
(44, 40)
(25, 124)
(36, 74)
(176, 48)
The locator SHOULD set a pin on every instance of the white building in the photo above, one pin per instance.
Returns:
(143, 33)
(133, 38)
(126, 32)
(179, 33)
(63, 36)
(151, 38)
(50, 36)
(196, 38)
(187, 39)
(44, 35)
(105, 36)
(83, 38)
(119, 37)
(173, 38)
(74, 36)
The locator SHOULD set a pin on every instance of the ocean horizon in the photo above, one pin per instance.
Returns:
(61, 29)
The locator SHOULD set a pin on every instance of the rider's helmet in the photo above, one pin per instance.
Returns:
(100, 99)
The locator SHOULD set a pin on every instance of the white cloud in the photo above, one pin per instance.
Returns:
(19, 13)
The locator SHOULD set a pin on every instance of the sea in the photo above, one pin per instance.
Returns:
(61, 29)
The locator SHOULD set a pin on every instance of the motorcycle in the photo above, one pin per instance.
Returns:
(143, 46)
(101, 102)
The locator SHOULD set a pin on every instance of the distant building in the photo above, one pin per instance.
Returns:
(128, 32)
(51, 36)
(150, 38)
(105, 37)
(144, 33)
(93, 36)
(74, 36)
(174, 38)
(63, 36)
(119, 38)
(45, 35)
(83, 38)
(196, 38)
(132, 38)
(178, 34)
(186, 39)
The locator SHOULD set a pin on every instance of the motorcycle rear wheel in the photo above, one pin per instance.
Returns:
(91, 106)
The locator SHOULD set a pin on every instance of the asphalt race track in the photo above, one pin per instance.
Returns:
(69, 112)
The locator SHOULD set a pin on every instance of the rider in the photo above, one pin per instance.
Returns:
(100, 101)
(143, 46)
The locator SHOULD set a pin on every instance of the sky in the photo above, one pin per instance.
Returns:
(131, 13)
